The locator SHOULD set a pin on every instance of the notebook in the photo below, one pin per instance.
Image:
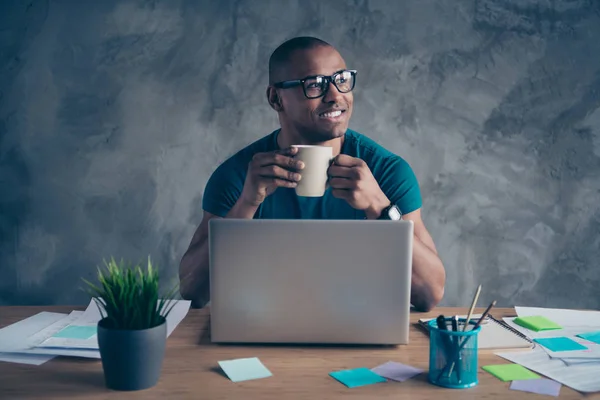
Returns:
(494, 334)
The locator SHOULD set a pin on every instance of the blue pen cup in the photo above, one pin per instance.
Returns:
(453, 356)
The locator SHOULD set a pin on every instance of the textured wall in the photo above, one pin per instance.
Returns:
(113, 114)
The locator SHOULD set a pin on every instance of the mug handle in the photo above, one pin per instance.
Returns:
(327, 182)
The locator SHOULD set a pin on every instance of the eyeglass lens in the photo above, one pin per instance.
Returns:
(314, 87)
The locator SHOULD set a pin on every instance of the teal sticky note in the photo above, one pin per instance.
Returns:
(357, 377)
(560, 344)
(591, 336)
(77, 332)
(244, 369)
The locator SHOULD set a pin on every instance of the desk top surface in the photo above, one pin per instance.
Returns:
(190, 368)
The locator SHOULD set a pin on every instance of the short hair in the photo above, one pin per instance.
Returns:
(282, 54)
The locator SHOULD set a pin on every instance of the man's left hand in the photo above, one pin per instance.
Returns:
(351, 179)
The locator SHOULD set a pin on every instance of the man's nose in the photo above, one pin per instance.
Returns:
(332, 95)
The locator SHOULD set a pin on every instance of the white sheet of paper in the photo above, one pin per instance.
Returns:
(563, 317)
(83, 353)
(26, 351)
(592, 353)
(92, 315)
(568, 331)
(177, 314)
(30, 359)
(14, 336)
(46, 340)
(580, 377)
(577, 361)
(37, 338)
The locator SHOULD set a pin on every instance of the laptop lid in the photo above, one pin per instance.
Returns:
(310, 281)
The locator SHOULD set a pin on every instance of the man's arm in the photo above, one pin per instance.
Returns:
(352, 180)
(194, 280)
(428, 273)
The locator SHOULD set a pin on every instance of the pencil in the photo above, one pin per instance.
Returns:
(472, 308)
(485, 313)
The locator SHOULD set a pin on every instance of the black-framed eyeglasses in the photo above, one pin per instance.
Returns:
(316, 86)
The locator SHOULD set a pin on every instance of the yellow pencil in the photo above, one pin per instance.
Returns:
(472, 308)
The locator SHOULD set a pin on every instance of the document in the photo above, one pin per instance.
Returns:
(25, 347)
(38, 339)
(580, 377)
(590, 354)
(19, 358)
(14, 338)
(567, 330)
(87, 322)
(180, 309)
(562, 317)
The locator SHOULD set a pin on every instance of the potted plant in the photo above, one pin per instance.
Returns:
(132, 332)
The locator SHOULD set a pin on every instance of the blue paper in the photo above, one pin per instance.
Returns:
(357, 377)
(591, 336)
(244, 369)
(77, 332)
(560, 344)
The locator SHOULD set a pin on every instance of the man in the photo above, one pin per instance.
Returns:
(310, 88)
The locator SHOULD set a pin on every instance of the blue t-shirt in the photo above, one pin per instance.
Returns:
(395, 177)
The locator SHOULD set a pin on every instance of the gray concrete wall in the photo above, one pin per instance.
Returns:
(113, 114)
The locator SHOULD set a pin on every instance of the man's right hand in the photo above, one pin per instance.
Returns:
(268, 171)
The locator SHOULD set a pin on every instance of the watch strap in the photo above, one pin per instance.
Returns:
(385, 213)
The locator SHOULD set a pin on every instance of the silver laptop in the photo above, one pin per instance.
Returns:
(310, 281)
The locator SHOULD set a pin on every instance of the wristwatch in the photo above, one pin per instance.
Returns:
(391, 212)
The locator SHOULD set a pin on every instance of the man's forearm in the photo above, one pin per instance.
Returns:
(193, 275)
(242, 210)
(428, 277)
(194, 268)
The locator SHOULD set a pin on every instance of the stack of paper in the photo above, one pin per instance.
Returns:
(45, 335)
(567, 348)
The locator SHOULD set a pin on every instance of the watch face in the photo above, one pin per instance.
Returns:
(395, 213)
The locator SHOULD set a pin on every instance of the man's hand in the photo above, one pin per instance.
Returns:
(268, 171)
(351, 179)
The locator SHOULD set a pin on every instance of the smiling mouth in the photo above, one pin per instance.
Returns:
(332, 114)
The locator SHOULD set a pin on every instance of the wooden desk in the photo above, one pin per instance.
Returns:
(190, 369)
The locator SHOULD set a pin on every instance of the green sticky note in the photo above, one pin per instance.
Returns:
(591, 336)
(244, 369)
(357, 377)
(560, 344)
(510, 372)
(537, 323)
(77, 332)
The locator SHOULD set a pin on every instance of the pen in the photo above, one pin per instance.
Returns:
(455, 339)
(441, 324)
(485, 313)
(447, 344)
(456, 348)
(455, 323)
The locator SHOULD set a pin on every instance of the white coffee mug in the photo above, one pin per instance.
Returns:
(316, 161)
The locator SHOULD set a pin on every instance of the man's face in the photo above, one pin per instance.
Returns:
(319, 119)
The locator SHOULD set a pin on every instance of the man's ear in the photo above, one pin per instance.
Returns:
(274, 99)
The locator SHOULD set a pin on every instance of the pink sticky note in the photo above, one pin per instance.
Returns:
(539, 386)
(396, 371)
